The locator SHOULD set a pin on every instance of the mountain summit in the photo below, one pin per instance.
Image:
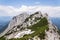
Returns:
(36, 26)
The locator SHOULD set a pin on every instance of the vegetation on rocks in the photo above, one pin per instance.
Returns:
(39, 29)
(2, 38)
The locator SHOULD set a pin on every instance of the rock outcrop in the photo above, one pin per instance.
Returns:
(16, 20)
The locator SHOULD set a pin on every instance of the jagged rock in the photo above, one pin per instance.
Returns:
(17, 20)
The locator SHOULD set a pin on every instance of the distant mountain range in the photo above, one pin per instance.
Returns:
(56, 21)
(4, 20)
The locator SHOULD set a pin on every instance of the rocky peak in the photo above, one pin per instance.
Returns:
(31, 27)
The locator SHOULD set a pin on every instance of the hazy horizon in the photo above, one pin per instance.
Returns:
(15, 7)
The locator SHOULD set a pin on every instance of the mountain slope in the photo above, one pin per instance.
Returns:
(31, 27)
(13, 22)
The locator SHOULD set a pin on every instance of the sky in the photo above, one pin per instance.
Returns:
(15, 7)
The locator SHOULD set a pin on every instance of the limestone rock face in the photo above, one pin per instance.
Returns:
(16, 20)
(52, 33)
(19, 27)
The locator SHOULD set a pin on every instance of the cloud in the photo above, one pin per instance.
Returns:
(12, 11)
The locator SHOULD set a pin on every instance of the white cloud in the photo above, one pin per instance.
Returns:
(12, 11)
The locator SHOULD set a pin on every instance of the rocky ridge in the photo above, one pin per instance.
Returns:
(31, 27)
